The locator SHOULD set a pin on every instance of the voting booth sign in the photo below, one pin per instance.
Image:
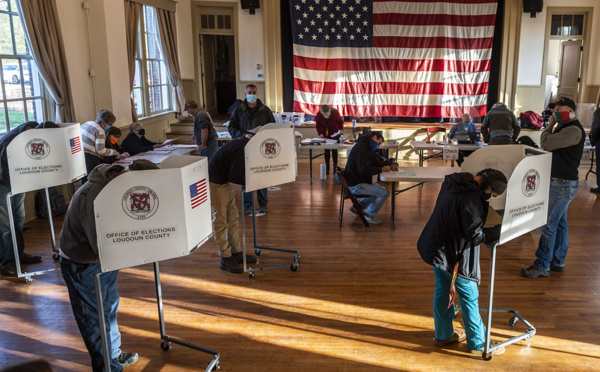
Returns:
(271, 157)
(154, 215)
(41, 158)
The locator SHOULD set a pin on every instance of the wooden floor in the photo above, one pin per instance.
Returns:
(361, 299)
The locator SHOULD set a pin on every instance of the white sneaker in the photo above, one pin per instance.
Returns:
(374, 220)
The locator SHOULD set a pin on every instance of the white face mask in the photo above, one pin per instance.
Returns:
(571, 115)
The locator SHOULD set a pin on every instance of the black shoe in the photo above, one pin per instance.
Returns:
(534, 272)
(230, 264)
(262, 210)
(126, 359)
(25, 258)
(239, 258)
(595, 190)
(558, 269)
(248, 210)
(10, 269)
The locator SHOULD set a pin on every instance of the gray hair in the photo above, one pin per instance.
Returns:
(134, 126)
(106, 116)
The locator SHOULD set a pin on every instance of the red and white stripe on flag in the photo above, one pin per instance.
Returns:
(420, 58)
(198, 193)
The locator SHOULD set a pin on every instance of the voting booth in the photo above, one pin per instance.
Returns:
(525, 206)
(42, 158)
(150, 216)
(270, 158)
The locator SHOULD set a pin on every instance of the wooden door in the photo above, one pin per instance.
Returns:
(569, 70)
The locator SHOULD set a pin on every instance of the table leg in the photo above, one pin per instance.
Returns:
(420, 158)
(393, 205)
(311, 158)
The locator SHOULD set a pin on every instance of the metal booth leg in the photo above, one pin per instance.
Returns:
(100, 309)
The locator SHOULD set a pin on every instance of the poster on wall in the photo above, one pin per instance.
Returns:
(40, 158)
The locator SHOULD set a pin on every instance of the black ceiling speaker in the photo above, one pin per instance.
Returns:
(251, 5)
(532, 7)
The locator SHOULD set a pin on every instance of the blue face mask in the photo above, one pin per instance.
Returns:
(106, 127)
(251, 98)
(374, 145)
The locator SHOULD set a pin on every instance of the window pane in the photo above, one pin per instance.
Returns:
(16, 113)
(137, 101)
(228, 22)
(6, 46)
(137, 79)
(152, 46)
(577, 25)
(555, 27)
(166, 98)
(13, 6)
(204, 21)
(19, 36)
(211, 21)
(567, 23)
(220, 22)
(163, 73)
(2, 119)
(154, 72)
(11, 73)
(3, 6)
(35, 110)
(31, 79)
(154, 99)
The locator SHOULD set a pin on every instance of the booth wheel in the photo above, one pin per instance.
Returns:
(296, 258)
(513, 321)
(294, 266)
(486, 357)
(55, 256)
(28, 280)
(251, 275)
(216, 367)
(257, 251)
(165, 345)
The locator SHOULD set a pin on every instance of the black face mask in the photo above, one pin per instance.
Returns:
(486, 196)
(141, 132)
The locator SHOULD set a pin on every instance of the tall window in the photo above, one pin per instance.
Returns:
(153, 93)
(21, 90)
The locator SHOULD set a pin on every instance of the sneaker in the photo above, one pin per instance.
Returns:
(558, 269)
(534, 272)
(498, 351)
(595, 190)
(374, 220)
(239, 257)
(248, 210)
(10, 269)
(353, 210)
(262, 210)
(25, 258)
(230, 264)
(457, 337)
(126, 359)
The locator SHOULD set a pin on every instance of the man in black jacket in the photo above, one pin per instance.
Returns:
(248, 115)
(564, 137)
(227, 166)
(450, 242)
(595, 141)
(364, 163)
(136, 141)
(500, 127)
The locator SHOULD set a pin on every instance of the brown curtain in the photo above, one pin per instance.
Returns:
(167, 27)
(44, 38)
(132, 19)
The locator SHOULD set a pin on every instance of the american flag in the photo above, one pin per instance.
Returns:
(198, 193)
(75, 145)
(420, 58)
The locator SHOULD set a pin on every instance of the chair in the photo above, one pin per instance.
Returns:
(432, 131)
(347, 194)
(360, 130)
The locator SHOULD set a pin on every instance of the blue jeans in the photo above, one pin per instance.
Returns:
(260, 194)
(468, 294)
(372, 204)
(211, 148)
(554, 241)
(82, 293)
(6, 244)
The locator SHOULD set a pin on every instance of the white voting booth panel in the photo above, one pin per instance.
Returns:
(41, 158)
(154, 215)
(271, 157)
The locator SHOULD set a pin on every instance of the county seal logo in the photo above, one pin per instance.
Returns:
(37, 149)
(270, 148)
(140, 202)
(530, 183)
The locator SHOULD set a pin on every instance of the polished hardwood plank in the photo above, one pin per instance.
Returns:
(360, 300)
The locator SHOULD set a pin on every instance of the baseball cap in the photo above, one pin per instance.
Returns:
(564, 101)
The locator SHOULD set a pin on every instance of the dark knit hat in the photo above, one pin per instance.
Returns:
(564, 101)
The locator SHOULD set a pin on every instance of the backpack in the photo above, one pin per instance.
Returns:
(534, 120)
(57, 203)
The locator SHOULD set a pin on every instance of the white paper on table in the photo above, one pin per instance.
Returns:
(170, 140)
(184, 146)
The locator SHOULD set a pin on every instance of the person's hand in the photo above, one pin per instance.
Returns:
(551, 121)
(124, 155)
(386, 168)
(248, 136)
(321, 136)
(395, 167)
(158, 145)
(193, 137)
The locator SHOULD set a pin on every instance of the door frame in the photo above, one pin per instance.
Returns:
(587, 13)
(197, 34)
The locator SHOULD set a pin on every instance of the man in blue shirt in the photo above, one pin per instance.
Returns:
(463, 133)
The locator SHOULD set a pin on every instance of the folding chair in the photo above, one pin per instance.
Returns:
(347, 194)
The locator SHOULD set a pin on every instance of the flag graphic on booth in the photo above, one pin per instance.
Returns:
(75, 145)
(198, 193)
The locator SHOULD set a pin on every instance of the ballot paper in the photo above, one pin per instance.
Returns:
(184, 146)
(170, 140)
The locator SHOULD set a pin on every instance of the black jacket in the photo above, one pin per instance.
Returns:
(363, 163)
(245, 118)
(135, 145)
(228, 164)
(455, 228)
(4, 142)
(595, 133)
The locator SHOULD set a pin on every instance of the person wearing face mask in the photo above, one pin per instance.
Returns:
(564, 137)
(93, 136)
(248, 115)
(204, 130)
(463, 132)
(500, 126)
(112, 138)
(136, 141)
(364, 163)
(329, 125)
(450, 243)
